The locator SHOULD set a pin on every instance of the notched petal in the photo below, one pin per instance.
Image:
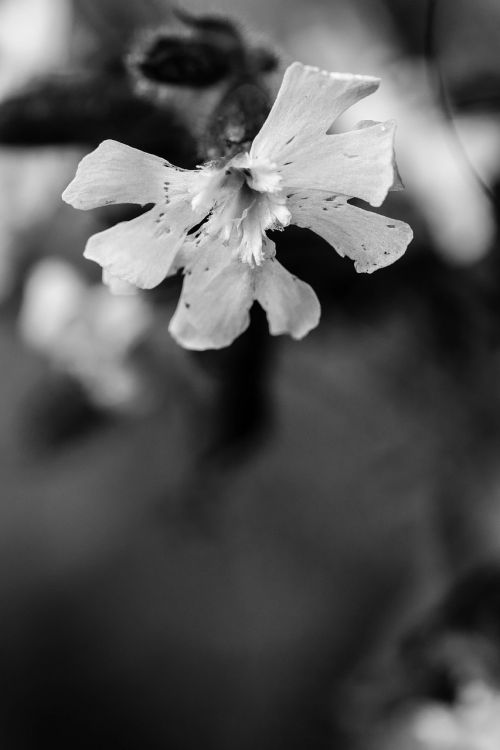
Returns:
(357, 164)
(307, 104)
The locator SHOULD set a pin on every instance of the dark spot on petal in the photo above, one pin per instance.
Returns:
(391, 226)
(187, 305)
(287, 163)
(290, 140)
(207, 268)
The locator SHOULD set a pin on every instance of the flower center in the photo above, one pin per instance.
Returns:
(245, 200)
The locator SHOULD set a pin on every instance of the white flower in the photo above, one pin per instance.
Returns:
(213, 221)
(85, 331)
(472, 724)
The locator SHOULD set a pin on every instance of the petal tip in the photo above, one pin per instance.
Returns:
(71, 195)
(405, 236)
(89, 253)
(187, 336)
(301, 333)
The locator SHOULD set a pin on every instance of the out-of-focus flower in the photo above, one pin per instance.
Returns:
(472, 724)
(85, 331)
(213, 221)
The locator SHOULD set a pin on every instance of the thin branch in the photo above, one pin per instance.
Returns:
(431, 51)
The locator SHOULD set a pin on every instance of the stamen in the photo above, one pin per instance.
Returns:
(243, 199)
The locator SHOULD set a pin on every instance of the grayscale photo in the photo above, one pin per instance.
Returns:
(250, 389)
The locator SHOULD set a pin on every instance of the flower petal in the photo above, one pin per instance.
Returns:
(53, 296)
(216, 298)
(357, 164)
(397, 183)
(372, 241)
(136, 251)
(116, 286)
(116, 173)
(308, 102)
(291, 305)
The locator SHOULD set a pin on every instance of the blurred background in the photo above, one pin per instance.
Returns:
(279, 545)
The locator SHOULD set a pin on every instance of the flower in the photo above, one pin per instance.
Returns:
(472, 724)
(85, 331)
(213, 221)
